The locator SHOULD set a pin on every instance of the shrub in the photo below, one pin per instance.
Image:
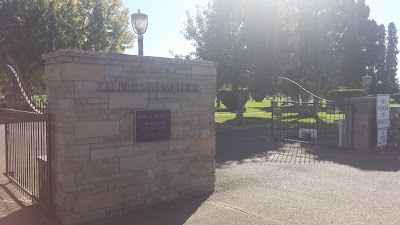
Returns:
(396, 97)
(258, 97)
(229, 98)
(339, 95)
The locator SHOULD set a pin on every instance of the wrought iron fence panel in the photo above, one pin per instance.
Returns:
(27, 124)
(320, 123)
(394, 129)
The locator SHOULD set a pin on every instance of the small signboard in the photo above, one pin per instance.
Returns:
(382, 111)
(152, 125)
(382, 138)
(382, 118)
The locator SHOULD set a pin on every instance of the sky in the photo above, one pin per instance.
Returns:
(385, 11)
(167, 18)
(166, 21)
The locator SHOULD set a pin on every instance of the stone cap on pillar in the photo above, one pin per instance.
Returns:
(68, 56)
(361, 99)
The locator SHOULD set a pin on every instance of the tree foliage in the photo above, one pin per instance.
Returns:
(320, 44)
(217, 35)
(233, 99)
(29, 28)
(391, 60)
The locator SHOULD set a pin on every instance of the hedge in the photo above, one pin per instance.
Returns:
(396, 97)
(340, 95)
(229, 98)
(257, 96)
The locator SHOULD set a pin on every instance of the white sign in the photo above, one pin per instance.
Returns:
(382, 138)
(382, 111)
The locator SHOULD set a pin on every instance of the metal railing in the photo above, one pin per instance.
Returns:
(27, 129)
(28, 155)
(319, 123)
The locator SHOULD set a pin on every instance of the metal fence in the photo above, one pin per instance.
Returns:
(319, 123)
(394, 129)
(28, 154)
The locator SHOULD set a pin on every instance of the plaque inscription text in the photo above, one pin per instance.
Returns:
(152, 125)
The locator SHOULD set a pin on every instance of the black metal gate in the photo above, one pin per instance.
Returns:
(27, 124)
(317, 122)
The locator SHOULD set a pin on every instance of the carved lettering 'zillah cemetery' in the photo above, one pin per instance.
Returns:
(147, 87)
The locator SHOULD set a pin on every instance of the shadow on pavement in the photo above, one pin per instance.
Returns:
(15, 209)
(173, 213)
(241, 145)
(389, 161)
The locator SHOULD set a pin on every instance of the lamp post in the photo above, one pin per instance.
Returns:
(139, 24)
(366, 81)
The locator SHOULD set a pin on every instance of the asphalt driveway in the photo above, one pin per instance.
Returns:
(279, 184)
(288, 184)
(294, 184)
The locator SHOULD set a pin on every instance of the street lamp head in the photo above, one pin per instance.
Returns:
(139, 23)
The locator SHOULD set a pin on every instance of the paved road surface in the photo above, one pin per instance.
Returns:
(278, 184)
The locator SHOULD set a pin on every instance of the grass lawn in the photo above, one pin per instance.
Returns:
(251, 107)
(259, 113)
(256, 114)
(249, 118)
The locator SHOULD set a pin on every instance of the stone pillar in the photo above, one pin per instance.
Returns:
(100, 170)
(360, 124)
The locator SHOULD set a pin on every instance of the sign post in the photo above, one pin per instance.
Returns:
(382, 119)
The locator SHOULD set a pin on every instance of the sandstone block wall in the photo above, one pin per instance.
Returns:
(361, 121)
(99, 170)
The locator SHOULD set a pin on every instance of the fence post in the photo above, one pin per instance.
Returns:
(272, 119)
(6, 138)
(342, 132)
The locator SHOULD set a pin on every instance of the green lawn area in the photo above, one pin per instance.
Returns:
(259, 113)
(249, 119)
(251, 107)
(256, 113)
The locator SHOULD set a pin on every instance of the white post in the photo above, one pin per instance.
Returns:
(341, 132)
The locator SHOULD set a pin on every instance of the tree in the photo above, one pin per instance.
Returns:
(312, 45)
(262, 29)
(29, 28)
(380, 67)
(320, 44)
(351, 44)
(391, 60)
(216, 34)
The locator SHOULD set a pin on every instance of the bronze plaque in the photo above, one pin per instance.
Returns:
(152, 125)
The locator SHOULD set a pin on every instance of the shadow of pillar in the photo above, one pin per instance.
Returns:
(15, 208)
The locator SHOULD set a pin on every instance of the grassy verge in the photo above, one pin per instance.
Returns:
(251, 107)
(259, 113)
